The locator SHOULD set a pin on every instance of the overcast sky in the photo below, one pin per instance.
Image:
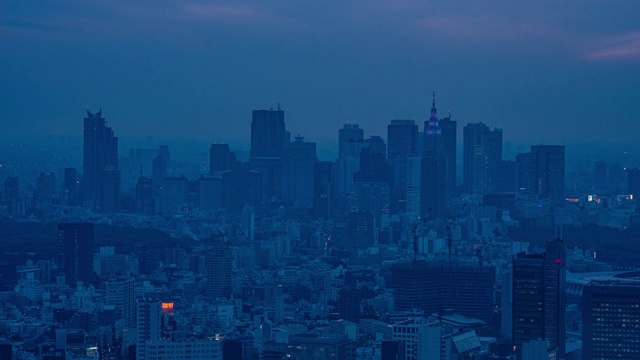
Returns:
(545, 72)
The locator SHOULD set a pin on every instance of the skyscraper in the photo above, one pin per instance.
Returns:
(160, 167)
(298, 165)
(539, 297)
(119, 292)
(100, 163)
(449, 130)
(611, 318)
(45, 188)
(148, 325)
(75, 252)
(144, 196)
(482, 153)
(218, 265)
(220, 158)
(548, 172)
(350, 144)
(267, 133)
(402, 136)
(434, 189)
(324, 188)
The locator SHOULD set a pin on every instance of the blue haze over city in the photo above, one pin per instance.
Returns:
(270, 180)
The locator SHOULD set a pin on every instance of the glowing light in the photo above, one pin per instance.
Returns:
(559, 261)
(167, 307)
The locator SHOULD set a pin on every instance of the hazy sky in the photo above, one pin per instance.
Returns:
(551, 71)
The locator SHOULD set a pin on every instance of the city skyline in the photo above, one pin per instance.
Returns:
(190, 71)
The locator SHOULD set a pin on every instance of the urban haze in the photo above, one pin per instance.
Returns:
(271, 180)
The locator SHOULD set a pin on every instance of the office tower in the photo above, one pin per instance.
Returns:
(241, 187)
(270, 170)
(45, 188)
(148, 325)
(481, 154)
(120, 293)
(218, 264)
(435, 286)
(100, 156)
(413, 186)
(298, 165)
(360, 228)
(373, 167)
(421, 338)
(611, 319)
(174, 195)
(539, 297)
(220, 158)
(547, 163)
(209, 193)
(449, 129)
(70, 189)
(75, 252)
(349, 301)
(402, 136)
(524, 168)
(434, 188)
(145, 202)
(633, 182)
(350, 144)
(350, 133)
(267, 133)
(324, 189)
(507, 177)
(159, 168)
(600, 175)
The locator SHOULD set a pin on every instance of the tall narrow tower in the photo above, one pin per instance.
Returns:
(433, 197)
(100, 163)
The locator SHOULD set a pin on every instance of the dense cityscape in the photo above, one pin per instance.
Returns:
(413, 245)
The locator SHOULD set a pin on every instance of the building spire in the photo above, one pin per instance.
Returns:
(433, 104)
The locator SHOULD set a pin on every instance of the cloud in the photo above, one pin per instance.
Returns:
(617, 47)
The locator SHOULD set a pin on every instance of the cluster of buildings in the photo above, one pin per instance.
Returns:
(380, 254)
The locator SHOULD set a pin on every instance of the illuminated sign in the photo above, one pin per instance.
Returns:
(167, 307)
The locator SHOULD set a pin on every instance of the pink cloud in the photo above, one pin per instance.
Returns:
(617, 47)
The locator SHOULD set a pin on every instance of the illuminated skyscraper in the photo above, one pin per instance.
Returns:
(100, 163)
(434, 189)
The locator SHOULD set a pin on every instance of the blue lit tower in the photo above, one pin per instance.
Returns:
(433, 195)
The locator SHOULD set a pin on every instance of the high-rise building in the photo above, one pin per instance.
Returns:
(600, 175)
(218, 265)
(524, 175)
(434, 188)
(70, 188)
(611, 319)
(539, 297)
(100, 162)
(350, 144)
(267, 133)
(220, 158)
(402, 136)
(421, 338)
(174, 195)
(324, 189)
(507, 177)
(120, 293)
(298, 165)
(45, 188)
(241, 187)
(435, 286)
(75, 252)
(482, 154)
(633, 182)
(145, 202)
(160, 166)
(547, 163)
(209, 193)
(148, 325)
(449, 129)
(360, 230)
